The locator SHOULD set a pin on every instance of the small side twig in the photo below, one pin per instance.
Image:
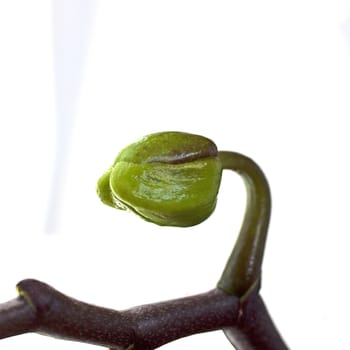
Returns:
(16, 317)
(255, 329)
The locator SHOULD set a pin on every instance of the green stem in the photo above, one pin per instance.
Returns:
(243, 269)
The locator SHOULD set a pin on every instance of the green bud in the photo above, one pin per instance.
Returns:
(168, 178)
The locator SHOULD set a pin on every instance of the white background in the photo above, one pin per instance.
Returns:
(79, 80)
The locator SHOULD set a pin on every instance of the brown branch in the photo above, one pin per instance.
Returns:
(40, 308)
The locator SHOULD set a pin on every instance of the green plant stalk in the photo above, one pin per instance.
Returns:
(243, 269)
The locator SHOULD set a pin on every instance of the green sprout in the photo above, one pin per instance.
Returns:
(169, 178)
(173, 179)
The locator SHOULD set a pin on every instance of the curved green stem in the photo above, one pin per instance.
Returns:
(243, 269)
